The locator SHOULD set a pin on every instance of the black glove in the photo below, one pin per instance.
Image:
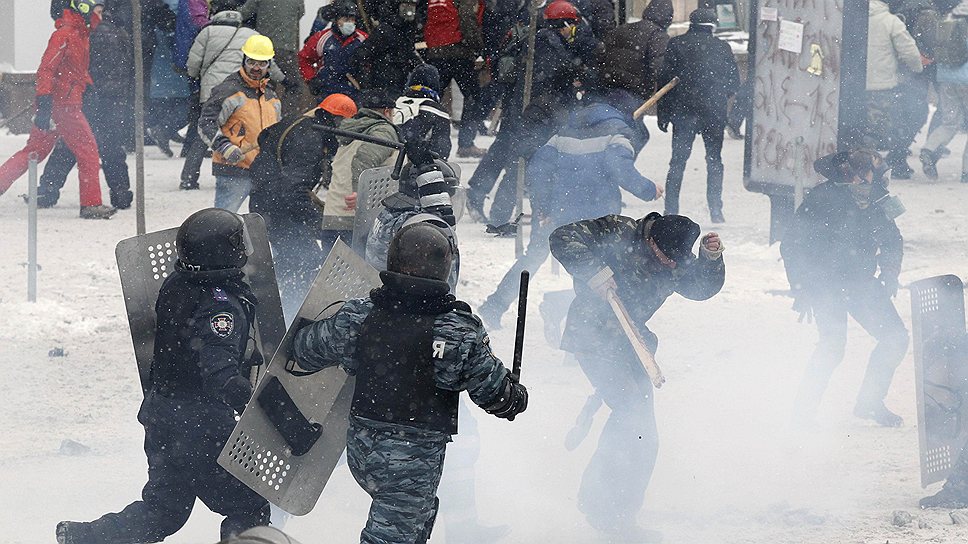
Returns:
(236, 392)
(664, 125)
(45, 104)
(512, 401)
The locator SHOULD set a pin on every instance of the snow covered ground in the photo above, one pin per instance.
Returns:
(730, 470)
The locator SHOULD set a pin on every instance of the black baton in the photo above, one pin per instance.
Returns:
(519, 333)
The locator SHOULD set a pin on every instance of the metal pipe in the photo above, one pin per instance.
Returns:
(32, 229)
(528, 83)
(139, 119)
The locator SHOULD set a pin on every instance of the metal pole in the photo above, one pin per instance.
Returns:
(32, 229)
(139, 118)
(528, 81)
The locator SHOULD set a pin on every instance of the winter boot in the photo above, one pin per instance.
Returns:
(948, 497)
(716, 216)
(121, 199)
(902, 170)
(878, 413)
(490, 315)
(734, 132)
(97, 212)
(471, 152)
(475, 209)
(188, 185)
(929, 163)
(159, 139)
(73, 532)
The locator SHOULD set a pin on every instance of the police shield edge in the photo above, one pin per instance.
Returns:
(145, 261)
(941, 375)
(256, 452)
(376, 184)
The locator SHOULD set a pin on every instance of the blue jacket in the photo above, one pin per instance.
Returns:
(578, 173)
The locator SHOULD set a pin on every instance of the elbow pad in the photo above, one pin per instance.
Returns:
(512, 401)
(236, 392)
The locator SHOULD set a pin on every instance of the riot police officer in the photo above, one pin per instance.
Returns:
(199, 380)
(413, 348)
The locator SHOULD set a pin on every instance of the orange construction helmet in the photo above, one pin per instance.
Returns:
(561, 9)
(339, 105)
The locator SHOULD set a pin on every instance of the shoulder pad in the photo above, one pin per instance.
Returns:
(219, 294)
(462, 307)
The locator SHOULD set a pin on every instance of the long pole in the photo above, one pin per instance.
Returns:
(32, 229)
(528, 81)
(139, 118)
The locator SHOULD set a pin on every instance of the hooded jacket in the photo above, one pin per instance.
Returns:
(237, 112)
(634, 52)
(888, 44)
(351, 160)
(578, 173)
(325, 61)
(217, 52)
(63, 71)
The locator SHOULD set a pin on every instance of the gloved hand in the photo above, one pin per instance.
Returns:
(802, 306)
(236, 392)
(45, 105)
(890, 284)
(231, 153)
(511, 402)
(663, 124)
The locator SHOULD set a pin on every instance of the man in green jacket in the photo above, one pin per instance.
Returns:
(279, 20)
(353, 157)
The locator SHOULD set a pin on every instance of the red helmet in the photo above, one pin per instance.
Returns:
(561, 9)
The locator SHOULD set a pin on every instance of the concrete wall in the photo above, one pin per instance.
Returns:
(24, 29)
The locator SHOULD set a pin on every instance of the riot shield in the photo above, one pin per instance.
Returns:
(938, 319)
(374, 185)
(257, 453)
(145, 261)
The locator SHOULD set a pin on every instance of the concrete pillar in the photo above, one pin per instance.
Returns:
(7, 25)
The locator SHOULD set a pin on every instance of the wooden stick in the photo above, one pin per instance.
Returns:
(647, 105)
(638, 344)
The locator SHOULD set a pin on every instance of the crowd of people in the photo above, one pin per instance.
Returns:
(284, 115)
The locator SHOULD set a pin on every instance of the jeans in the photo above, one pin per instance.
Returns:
(684, 131)
(871, 306)
(614, 482)
(231, 191)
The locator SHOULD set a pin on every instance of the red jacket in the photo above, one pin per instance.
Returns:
(447, 25)
(63, 69)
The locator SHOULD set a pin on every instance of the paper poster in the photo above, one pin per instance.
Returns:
(768, 14)
(791, 36)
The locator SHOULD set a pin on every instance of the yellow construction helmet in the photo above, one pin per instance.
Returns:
(258, 47)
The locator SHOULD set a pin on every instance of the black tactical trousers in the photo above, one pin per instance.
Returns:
(684, 131)
(462, 71)
(182, 465)
(871, 306)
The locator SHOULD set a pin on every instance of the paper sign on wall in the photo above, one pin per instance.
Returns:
(768, 14)
(791, 36)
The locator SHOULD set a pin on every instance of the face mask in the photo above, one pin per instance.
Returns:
(347, 28)
(861, 193)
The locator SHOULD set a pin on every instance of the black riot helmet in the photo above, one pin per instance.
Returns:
(212, 239)
(422, 250)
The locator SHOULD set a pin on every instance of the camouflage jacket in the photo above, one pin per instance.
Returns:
(618, 242)
(463, 361)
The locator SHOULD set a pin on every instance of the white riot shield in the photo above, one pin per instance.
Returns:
(256, 452)
(145, 261)
(938, 317)
(375, 184)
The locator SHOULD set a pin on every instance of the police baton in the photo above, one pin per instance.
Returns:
(399, 146)
(519, 332)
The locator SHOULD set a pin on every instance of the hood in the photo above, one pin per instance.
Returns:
(659, 12)
(230, 18)
(877, 7)
(362, 122)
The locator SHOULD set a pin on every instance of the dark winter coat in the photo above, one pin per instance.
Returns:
(385, 59)
(292, 160)
(325, 59)
(557, 65)
(423, 125)
(276, 19)
(600, 15)
(57, 8)
(578, 173)
(112, 62)
(619, 242)
(192, 16)
(63, 71)
(707, 76)
(634, 52)
(833, 244)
